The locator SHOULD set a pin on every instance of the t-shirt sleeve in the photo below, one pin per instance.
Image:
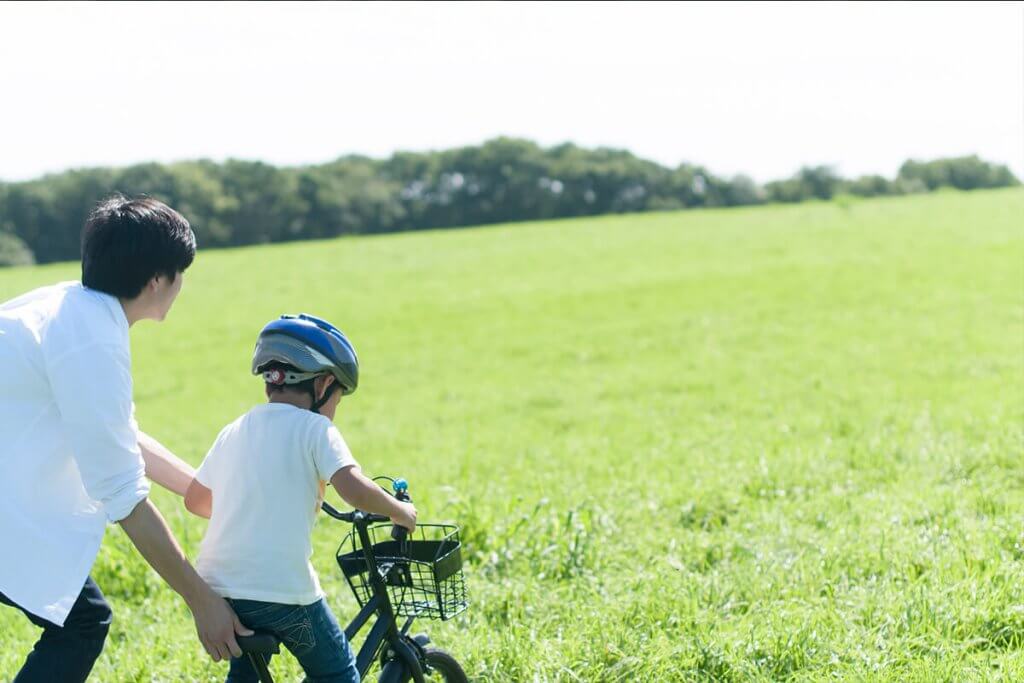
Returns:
(330, 452)
(206, 474)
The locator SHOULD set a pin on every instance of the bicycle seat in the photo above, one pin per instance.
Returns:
(260, 642)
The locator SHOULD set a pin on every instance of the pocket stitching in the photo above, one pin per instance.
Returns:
(300, 635)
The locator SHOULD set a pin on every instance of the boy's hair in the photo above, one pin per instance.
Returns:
(305, 386)
(127, 242)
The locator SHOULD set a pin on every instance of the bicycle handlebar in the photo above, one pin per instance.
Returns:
(352, 517)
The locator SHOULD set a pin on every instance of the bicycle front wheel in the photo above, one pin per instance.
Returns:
(442, 667)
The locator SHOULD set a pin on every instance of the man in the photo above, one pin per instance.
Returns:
(71, 455)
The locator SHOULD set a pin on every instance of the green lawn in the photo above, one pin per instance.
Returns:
(776, 443)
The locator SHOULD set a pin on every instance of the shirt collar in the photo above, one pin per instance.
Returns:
(112, 302)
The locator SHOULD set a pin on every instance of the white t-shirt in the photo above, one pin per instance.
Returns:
(265, 471)
(69, 453)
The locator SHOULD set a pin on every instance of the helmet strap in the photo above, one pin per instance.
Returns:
(317, 405)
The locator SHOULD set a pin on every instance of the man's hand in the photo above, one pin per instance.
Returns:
(216, 625)
(406, 516)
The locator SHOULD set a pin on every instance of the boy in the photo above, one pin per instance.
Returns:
(261, 485)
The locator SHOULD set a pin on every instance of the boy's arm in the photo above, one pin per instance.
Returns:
(199, 499)
(361, 493)
(164, 467)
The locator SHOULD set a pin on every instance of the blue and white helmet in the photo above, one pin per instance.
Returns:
(313, 346)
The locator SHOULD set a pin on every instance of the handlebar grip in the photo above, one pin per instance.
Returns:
(400, 533)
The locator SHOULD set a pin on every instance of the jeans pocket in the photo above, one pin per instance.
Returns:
(298, 636)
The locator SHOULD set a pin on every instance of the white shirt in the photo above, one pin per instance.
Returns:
(265, 471)
(69, 454)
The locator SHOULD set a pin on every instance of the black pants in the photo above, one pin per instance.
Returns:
(67, 653)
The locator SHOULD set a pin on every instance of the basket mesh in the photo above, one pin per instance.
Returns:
(427, 581)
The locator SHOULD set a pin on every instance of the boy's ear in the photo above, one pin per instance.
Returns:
(326, 380)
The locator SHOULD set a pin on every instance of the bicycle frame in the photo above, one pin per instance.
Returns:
(385, 629)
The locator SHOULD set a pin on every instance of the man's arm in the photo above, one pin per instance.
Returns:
(164, 467)
(97, 422)
(216, 623)
(199, 499)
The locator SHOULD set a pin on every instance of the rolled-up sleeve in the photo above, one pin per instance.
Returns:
(92, 387)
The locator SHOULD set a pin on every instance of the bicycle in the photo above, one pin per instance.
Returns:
(392, 575)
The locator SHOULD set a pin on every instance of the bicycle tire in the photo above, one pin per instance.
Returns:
(444, 668)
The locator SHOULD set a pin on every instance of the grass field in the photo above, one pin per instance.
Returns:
(776, 443)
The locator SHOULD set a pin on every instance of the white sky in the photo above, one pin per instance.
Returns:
(753, 88)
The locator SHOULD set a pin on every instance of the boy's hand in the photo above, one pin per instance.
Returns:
(406, 517)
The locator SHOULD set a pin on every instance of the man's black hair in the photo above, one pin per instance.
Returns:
(126, 242)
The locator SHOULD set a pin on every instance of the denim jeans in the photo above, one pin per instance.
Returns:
(66, 653)
(310, 632)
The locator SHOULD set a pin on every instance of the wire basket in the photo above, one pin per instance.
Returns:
(427, 581)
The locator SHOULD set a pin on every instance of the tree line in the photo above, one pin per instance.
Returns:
(505, 179)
